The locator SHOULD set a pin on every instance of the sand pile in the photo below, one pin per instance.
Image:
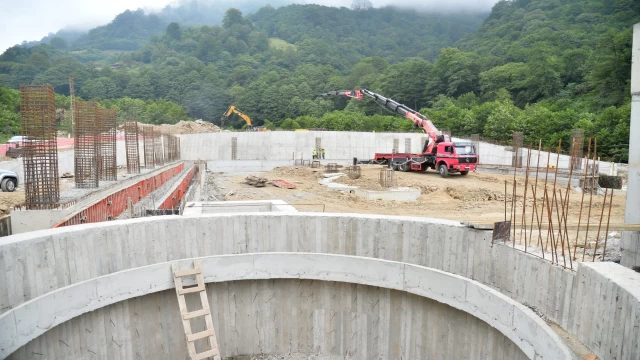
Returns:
(298, 172)
(189, 127)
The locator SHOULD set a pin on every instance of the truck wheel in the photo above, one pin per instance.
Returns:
(443, 170)
(464, 173)
(8, 185)
(404, 167)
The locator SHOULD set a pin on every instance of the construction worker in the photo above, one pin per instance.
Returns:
(315, 153)
(322, 153)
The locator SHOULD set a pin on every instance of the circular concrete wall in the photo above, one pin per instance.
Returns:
(38, 263)
(517, 323)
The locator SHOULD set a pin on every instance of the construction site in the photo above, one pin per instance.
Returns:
(183, 241)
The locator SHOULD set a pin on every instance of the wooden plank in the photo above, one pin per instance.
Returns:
(197, 313)
(206, 354)
(190, 290)
(200, 335)
(189, 272)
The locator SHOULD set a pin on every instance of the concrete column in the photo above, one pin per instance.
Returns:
(631, 239)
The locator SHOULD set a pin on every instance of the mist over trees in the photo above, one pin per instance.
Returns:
(537, 66)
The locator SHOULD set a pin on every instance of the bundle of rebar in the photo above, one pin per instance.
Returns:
(40, 147)
(86, 144)
(157, 147)
(148, 145)
(106, 144)
(131, 147)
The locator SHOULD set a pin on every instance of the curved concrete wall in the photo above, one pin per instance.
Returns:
(306, 310)
(515, 321)
(598, 303)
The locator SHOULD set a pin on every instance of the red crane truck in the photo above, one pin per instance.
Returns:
(439, 151)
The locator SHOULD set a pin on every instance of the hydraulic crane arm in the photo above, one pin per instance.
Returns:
(419, 120)
(234, 110)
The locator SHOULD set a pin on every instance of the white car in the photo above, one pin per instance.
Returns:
(17, 140)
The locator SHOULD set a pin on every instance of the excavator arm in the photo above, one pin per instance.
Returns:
(233, 110)
(419, 120)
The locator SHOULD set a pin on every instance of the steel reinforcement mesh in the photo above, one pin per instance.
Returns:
(157, 147)
(40, 148)
(85, 147)
(131, 146)
(106, 127)
(147, 138)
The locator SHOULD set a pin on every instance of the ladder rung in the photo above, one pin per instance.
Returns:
(187, 272)
(191, 290)
(204, 355)
(197, 313)
(200, 335)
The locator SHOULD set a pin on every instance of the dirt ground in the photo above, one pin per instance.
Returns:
(478, 198)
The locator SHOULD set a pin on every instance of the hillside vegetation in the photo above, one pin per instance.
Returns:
(543, 67)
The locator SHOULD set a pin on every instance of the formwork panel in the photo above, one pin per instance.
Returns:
(86, 144)
(106, 144)
(40, 150)
(131, 146)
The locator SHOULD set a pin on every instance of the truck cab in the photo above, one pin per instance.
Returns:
(452, 157)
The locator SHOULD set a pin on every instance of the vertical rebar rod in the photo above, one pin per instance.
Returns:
(546, 179)
(550, 220)
(584, 184)
(564, 258)
(606, 232)
(566, 201)
(604, 202)
(593, 175)
(555, 181)
(523, 221)
(505, 211)
(534, 190)
(513, 208)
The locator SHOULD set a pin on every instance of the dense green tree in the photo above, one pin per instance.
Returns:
(174, 32)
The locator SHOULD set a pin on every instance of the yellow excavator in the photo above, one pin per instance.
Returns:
(247, 119)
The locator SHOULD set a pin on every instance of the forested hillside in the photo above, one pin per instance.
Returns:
(539, 66)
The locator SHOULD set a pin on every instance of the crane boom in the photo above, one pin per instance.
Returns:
(419, 120)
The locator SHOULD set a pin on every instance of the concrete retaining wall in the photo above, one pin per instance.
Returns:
(273, 147)
(393, 335)
(290, 145)
(39, 262)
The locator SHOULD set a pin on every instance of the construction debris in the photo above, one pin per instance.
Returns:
(66, 175)
(256, 181)
(283, 184)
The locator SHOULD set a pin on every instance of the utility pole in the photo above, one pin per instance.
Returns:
(72, 97)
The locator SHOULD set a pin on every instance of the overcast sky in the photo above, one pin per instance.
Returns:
(33, 19)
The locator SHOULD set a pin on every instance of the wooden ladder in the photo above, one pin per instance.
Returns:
(205, 312)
